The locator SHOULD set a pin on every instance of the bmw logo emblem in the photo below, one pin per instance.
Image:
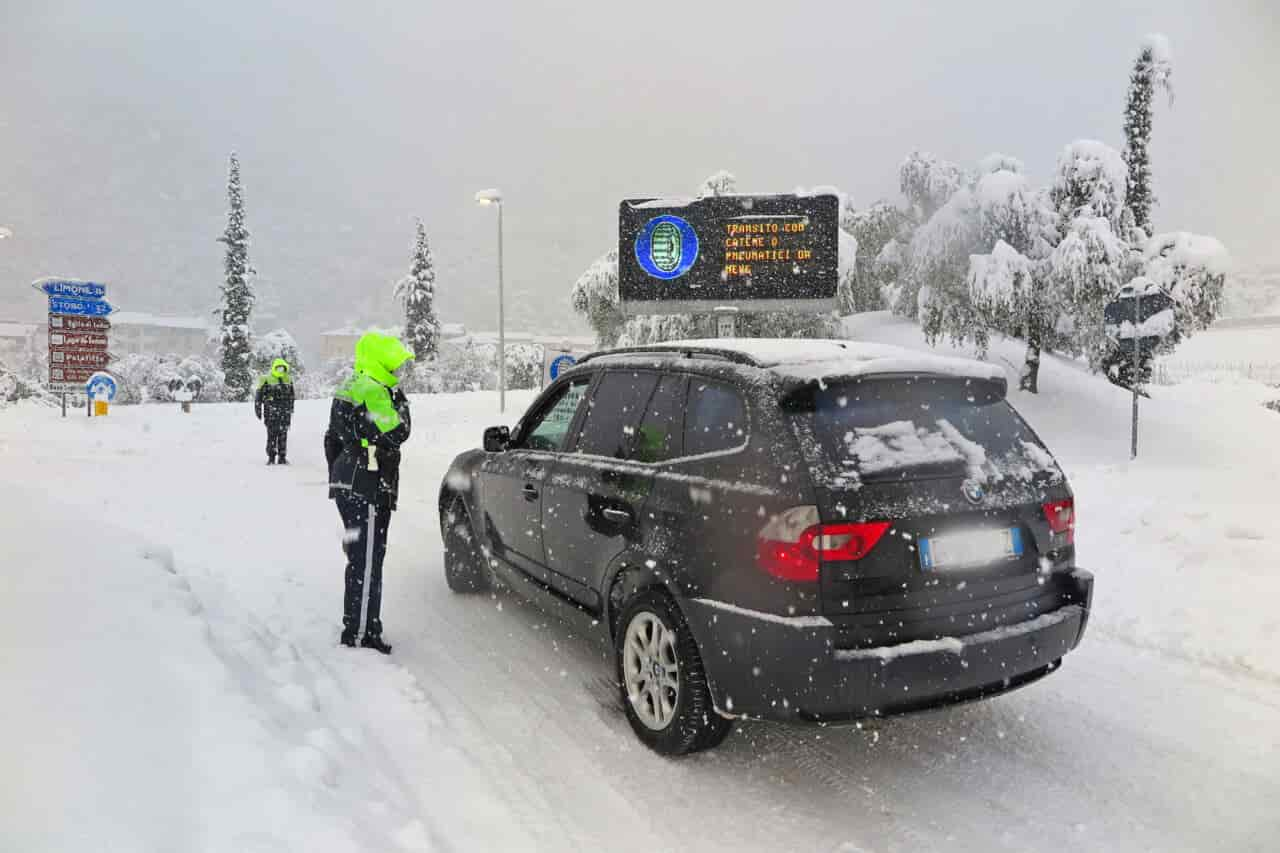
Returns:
(973, 491)
(666, 247)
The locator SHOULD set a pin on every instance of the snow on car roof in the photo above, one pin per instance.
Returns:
(807, 359)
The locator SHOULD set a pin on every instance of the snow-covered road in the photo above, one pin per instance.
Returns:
(172, 681)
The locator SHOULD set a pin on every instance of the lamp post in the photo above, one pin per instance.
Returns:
(487, 197)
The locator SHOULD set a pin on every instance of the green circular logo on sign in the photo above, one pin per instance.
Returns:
(664, 246)
(667, 247)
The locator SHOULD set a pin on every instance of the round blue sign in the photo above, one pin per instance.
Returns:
(101, 386)
(666, 247)
(560, 364)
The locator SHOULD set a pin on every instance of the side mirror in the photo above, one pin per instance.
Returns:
(496, 439)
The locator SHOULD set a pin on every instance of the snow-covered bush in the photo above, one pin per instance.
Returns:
(321, 380)
(14, 387)
(277, 343)
(145, 377)
(524, 365)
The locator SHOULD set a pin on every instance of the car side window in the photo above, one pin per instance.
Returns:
(660, 436)
(715, 418)
(613, 413)
(548, 430)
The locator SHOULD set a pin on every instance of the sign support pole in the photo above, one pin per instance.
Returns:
(1137, 362)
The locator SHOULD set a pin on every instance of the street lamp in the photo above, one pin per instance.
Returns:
(487, 197)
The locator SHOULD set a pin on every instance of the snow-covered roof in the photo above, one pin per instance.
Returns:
(140, 318)
(349, 332)
(808, 359)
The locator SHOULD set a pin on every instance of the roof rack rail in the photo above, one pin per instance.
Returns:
(681, 351)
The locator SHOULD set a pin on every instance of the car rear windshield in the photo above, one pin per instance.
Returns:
(921, 428)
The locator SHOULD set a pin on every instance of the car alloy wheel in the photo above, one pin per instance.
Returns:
(651, 670)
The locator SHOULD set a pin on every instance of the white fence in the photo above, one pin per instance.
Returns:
(1173, 371)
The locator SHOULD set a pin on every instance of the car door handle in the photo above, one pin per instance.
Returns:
(617, 516)
(530, 492)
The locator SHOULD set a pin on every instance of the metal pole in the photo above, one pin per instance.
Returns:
(1137, 361)
(64, 404)
(502, 326)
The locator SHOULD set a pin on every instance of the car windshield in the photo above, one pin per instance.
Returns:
(923, 427)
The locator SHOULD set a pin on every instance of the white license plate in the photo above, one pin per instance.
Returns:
(976, 547)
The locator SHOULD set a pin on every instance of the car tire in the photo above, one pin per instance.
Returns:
(464, 568)
(662, 679)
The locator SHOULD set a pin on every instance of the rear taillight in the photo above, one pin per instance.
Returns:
(793, 545)
(1062, 520)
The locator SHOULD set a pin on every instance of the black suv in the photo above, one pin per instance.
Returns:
(791, 530)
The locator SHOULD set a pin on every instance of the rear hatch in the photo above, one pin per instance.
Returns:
(943, 512)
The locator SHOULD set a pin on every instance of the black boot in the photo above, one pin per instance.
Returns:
(271, 460)
(372, 642)
(284, 461)
(348, 639)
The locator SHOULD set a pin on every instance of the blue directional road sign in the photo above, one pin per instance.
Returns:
(71, 287)
(101, 386)
(81, 307)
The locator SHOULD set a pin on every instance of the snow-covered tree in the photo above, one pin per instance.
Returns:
(595, 297)
(1191, 269)
(417, 294)
(277, 343)
(237, 293)
(929, 182)
(938, 260)
(1091, 179)
(1152, 70)
(874, 228)
(721, 183)
(999, 285)
(1086, 271)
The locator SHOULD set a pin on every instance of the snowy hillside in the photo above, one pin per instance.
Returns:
(173, 682)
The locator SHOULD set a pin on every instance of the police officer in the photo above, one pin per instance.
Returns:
(368, 421)
(273, 405)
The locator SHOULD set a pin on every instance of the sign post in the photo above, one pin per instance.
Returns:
(1143, 313)
(78, 333)
(1137, 370)
(753, 253)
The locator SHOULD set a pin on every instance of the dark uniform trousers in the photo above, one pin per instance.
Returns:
(355, 520)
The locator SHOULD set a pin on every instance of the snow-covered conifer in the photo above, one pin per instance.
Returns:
(237, 293)
(416, 292)
(1152, 70)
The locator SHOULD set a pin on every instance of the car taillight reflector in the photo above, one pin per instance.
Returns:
(1061, 516)
(792, 549)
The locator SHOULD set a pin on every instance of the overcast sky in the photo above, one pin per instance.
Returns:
(353, 118)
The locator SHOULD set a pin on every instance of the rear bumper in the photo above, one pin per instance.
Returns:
(782, 668)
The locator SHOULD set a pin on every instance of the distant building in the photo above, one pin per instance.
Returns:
(341, 343)
(136, 332)
(17, 337)
(490, 338)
